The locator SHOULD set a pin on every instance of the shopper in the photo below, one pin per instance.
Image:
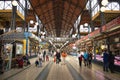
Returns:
(89, 59)
(64, 55)
(40, 57)
(111, 62)
(85, 58)
(47, 57)
(105, 60)
(58, 57)
(36, 63)
(80, 56)
(44, 54)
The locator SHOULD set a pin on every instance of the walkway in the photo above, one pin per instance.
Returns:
(69, 71)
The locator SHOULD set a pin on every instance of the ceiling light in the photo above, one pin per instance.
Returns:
(104, 2)
(86, 24)
(81, 26)
(31, 21)
(102, 9)
(14, 3)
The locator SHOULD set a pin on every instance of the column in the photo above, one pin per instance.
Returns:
(13, 20)
(27, 34)
(25, 15)
(13, 27)
(38, 30)
(79, 32)
(90, 12)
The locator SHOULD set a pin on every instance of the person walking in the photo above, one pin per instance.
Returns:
(85, 58)
(58, 57)
(80, 56)
(105, 60)
(40, 58)
(89, 59)
(47, 57)
(64, 55)
(37, 63)
(111, 61)
(44, 54)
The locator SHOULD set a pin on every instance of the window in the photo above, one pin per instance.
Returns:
(113, 6)
(5, 5)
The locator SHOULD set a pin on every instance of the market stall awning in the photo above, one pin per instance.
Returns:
(14, 35)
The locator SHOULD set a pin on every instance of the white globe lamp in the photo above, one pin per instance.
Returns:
(102, 9)
(14, 3)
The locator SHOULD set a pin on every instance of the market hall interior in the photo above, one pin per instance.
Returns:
(33, 30)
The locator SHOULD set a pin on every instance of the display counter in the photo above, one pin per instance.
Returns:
(116, 61)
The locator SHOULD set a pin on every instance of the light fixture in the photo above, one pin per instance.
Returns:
(102, 47)
(104, 2)
(81, 26)
(102, 9)
(86, 24)
(14, 3)
(31, 21)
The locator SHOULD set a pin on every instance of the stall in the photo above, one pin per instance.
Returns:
(15, 43)
(106, 37)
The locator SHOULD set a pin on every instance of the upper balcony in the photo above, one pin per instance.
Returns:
(112, 11)
(6, 13)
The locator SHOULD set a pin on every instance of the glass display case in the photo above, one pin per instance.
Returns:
(116, 61)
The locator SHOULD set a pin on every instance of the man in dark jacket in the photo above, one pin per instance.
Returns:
(58, 57)
(111, 62)
(105, 60)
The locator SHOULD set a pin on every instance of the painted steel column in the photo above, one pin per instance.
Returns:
(27, 38)
(25, 15)
(13, 27)
(90, 12)
(38, 27)
(108, 43)
(13, 20)
(102, 17)
(10, 58)
(79, 32)
(27, 31)
(103, 22)
(92, 29)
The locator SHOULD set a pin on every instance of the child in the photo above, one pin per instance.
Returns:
(36, 63)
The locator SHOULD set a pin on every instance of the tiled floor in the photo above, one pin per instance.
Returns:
(94, 73)
(61, 72)
(15, 71)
